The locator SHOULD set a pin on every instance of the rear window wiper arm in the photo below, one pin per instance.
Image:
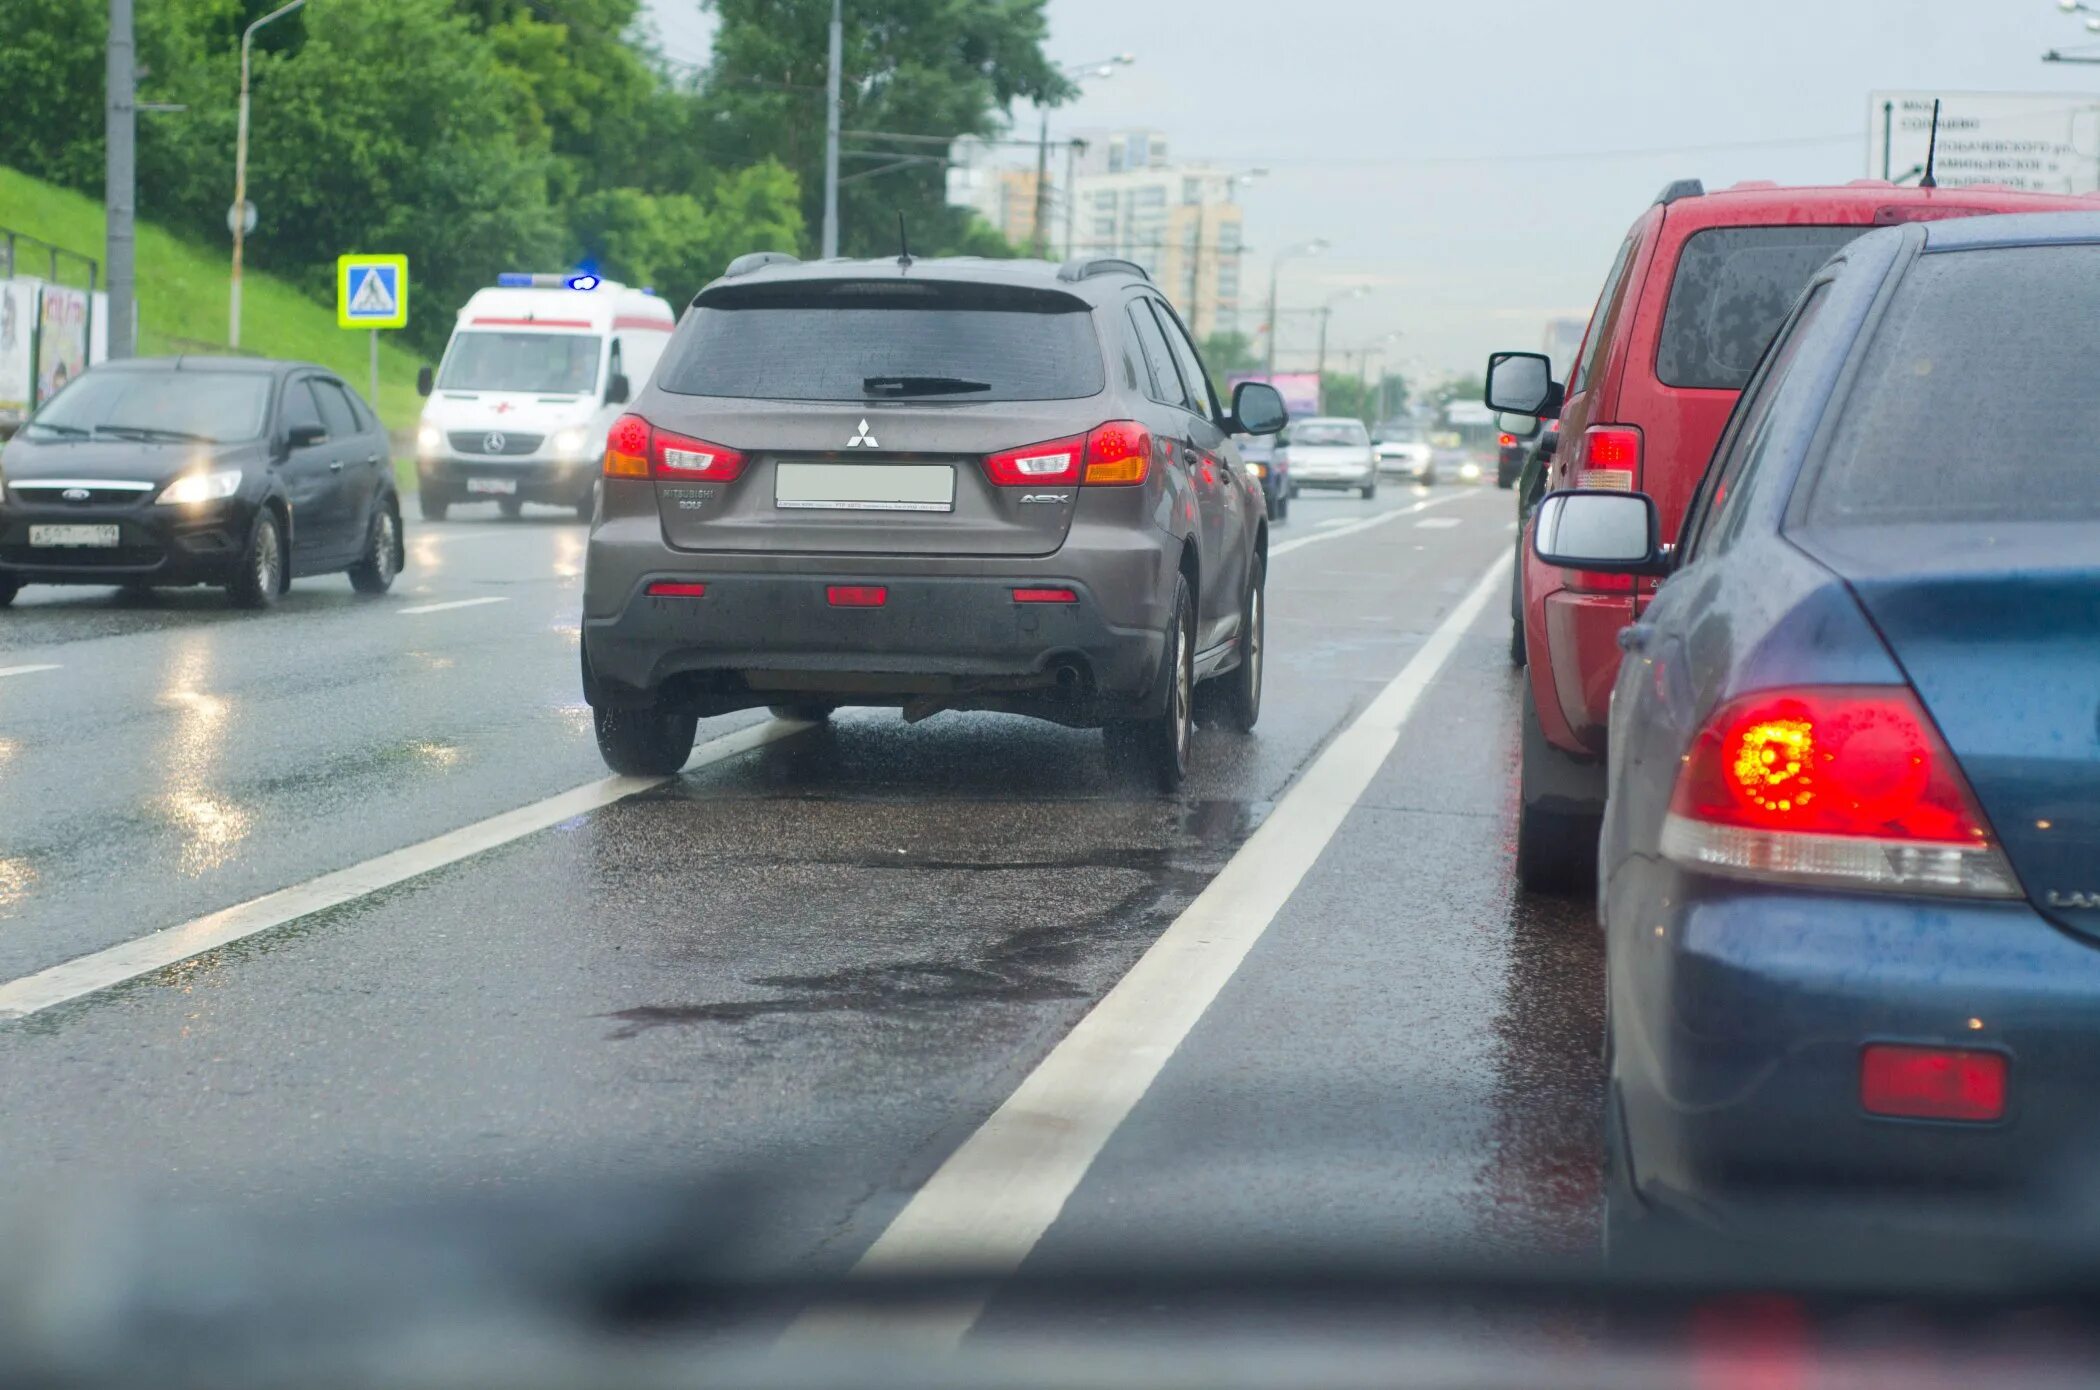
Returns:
(920, 385)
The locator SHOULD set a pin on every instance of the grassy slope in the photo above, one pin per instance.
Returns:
(182, 292)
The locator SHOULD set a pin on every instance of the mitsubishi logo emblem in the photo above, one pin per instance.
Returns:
(863, 438)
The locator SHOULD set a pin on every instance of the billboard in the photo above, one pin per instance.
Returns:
(2040, 143)
(1300, 390)
(61, 339)
(17, 341)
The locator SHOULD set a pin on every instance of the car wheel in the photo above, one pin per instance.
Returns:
(8, 589)
(1516, 617)
(587, 507)
(375, 570)
(432, 505)
(807, 712)
(1556, 849)
(511, 506)
(650, 742)
(1161, 743)
(1243, 688)
(1369, 490)
(1292, 495)
(261, 576)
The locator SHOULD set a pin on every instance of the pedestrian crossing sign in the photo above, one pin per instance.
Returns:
(371, 291)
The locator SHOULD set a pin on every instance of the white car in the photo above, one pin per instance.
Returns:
(1404, 452)
(1329, 452)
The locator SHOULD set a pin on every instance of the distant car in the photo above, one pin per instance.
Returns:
(1258, 456)
(1851, 861)
(1511, 451)
(1330, 451)
(200, 470)
(1402, 451)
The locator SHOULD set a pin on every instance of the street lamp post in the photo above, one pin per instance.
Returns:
(239, 217)
(830, 243)
(1075, 72)
(1326, 313)
(1304, 248)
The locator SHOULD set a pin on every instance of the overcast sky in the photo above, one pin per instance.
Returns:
(1478, 161)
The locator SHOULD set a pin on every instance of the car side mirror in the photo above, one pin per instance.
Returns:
(616, 389)
(1609, 532)
(306, 436)
(1522, 383)
(425, 379)
(1522, 426)
(1257, 408)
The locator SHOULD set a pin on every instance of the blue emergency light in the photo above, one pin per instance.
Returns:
(529, 280)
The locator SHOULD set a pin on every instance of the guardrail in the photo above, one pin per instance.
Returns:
(14, 244)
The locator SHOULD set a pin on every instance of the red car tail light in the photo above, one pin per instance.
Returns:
(856, 595)
(627, 448)
(1045, 596)
(684, 459)
(668, 588)
(1932, 1083)
(1118, 454)
(1850, 786)
(1053, 463)
(1505, 440)
(1611, 457)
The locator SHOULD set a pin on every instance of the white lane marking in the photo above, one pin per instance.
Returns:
(1436, 523)
(1382, 519)
(1331, 523)
(455, 603)
(26, 670)
(986, 1207)
(87, 974)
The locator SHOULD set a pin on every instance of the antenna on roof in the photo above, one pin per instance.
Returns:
(903, 244)
(1932, 148)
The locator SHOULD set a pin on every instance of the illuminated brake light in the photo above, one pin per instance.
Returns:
(1053, 463)
(666, 588)
(1045, 596)
(1932, 1083)
(1847, 786)
(684, 459)
(1505, 440)
(1611, 457)
(1118, 454)
(627, 448)
(856, 595)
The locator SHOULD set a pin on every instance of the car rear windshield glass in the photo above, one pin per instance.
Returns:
(885, 340)
(220, 407)
(1732, 290)
(554, 364)
(1975, 400)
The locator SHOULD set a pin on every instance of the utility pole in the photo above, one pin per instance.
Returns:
(1072, 148)
(831, 130)
(1042, 187)
(120, 178)
(1888, 135)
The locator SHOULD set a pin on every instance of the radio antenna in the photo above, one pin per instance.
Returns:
(1932, 148)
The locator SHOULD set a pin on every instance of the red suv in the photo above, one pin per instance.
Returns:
(1697, 291)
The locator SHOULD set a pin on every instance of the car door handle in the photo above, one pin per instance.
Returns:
(1635, 637)
(335, 465)
(371, 458)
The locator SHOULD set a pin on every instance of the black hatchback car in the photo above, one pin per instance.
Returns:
(200, 470)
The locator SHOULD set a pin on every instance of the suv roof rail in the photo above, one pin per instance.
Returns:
(750, 261)
(1680, 188)
(1086, 267)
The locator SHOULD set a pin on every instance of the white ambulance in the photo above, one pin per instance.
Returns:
(536, 372)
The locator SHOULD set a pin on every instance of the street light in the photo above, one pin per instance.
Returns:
(238, 217)
(1327, 312)
(1073, 72)
(1305, 248)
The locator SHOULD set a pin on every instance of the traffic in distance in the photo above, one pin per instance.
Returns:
(883, 812)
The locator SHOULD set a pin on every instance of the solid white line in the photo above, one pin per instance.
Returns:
(1436, 523)
(1332, 522)
(988, 1205)
(1382, 519)
(26, 670)
(455, 603)
(85, 975)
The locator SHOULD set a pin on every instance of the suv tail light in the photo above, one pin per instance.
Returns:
(1117, 454)
(1611, 458)
(1848, 786)
(1053, 463)
(1505, 440)
(636, 449)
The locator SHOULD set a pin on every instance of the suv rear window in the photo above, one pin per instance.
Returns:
(1974, 402)
(921, 340)
(1732, 290)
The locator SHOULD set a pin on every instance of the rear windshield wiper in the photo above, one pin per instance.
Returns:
(149, 432)
(920, 385)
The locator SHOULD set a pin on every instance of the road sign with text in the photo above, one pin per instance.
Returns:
(371, 291)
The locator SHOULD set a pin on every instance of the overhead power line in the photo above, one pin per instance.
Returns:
(1563, 157)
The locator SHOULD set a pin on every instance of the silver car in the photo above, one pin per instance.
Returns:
(1330, 452)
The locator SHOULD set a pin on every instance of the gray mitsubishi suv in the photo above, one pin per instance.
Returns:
(934, 485)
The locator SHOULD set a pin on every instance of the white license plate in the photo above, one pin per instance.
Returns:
(104, 536)
(504, 486)
(865, 487)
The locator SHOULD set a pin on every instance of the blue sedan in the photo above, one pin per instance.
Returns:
(1850, 870)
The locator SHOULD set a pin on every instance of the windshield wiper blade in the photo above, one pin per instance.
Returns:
(920, 385)
(73, 430)
(152, 432)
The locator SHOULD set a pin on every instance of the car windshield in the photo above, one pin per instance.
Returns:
(202, 405)
(1396, 434)
(554, 364)
(1317, 432)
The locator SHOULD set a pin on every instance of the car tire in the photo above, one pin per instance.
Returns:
(1161, 744)
(8, 589)
(807, 712)
(1292, 495)
(432, 505)
(1242, 702)
(512, 507)
(375, 570)
(1517, 654)
(1369, 490)
(260, 578)
(1556, 849)
(647, 742)
(587, 507)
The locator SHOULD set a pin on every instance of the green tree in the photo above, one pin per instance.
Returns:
(929, 68)
(1224, 354)
(674, 242)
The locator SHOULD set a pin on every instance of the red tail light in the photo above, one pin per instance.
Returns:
(1118, 454)
(856, 595)
(1850, 786)
(1611, 457)
(627, 448)
(1053, 463)
(684, 459)
(1932, 1083)
(1045, 596)
(1505, 440)
(666, 588)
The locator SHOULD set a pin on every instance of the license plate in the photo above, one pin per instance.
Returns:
(505, 486)
(866, 487)
(103, 536)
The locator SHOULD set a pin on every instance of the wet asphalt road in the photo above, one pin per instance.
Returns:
(826, 961)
